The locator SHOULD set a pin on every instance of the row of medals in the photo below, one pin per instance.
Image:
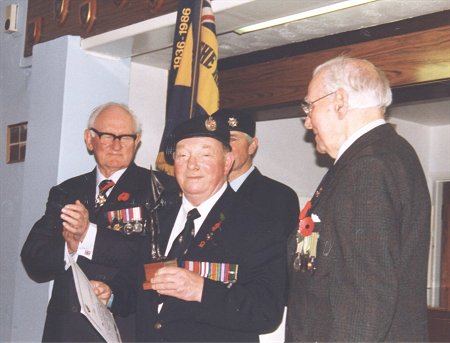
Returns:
(128, 228)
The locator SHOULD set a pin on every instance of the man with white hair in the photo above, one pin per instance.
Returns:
(99, 218)
(358, 262)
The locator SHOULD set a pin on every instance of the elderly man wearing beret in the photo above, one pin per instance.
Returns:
(268, 195)
(229, 282)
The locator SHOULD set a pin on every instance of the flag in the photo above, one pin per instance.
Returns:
(193, 87)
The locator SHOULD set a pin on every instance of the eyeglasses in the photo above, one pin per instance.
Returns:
(306, 106)
(109, 138)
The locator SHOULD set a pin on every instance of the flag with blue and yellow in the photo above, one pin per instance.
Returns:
(193, 87)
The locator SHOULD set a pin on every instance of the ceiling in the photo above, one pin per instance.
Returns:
(150, 42)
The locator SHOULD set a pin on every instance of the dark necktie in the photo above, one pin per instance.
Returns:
(181, 243)
(102, 189)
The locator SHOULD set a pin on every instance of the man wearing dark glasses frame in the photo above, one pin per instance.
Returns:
(98, 218)
(358, 263)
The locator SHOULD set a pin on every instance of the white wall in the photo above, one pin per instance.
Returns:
(63, 85)
(148, 88)
(440, 150)
(284, 154)
(432, 145)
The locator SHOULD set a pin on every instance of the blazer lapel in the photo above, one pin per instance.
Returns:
(249, 183)
(87, 191)
(211, 228)
(125, 184)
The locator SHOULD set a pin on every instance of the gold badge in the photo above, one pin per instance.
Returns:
(232, 122)
(210, 124)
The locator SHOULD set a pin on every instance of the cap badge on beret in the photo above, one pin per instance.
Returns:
(210, 124)
(232, 122)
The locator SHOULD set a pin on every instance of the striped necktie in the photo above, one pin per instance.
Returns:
(102, 189)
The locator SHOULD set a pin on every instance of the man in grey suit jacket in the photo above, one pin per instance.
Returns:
(358, 263)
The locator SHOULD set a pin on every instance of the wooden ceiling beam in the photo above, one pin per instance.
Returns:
(413, 58)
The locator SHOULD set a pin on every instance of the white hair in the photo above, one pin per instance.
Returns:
(365, 84)
(101, 108)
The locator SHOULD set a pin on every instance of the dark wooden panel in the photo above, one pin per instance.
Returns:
(425, 91)
(408, 59)
(439, 325)
(109, 17)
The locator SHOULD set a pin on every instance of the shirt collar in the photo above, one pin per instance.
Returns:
(358, 133)
(237, 182)
(205, 206)
(114, 177)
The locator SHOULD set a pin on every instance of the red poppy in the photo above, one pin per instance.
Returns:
(306, 226)
(123, 196)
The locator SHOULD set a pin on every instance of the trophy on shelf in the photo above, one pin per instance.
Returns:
(158, 259)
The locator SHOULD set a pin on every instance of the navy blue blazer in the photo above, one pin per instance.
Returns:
(273, 198)
(43, 251)
(237, 312)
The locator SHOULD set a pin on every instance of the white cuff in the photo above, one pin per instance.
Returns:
(85, 248)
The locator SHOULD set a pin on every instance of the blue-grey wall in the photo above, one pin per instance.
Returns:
(55, 96)
(13, 109)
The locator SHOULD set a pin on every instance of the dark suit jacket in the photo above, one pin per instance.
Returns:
(253, 305)
(43, 251)
(370, 282)
(273, 198)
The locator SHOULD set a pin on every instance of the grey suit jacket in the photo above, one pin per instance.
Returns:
(370, 282)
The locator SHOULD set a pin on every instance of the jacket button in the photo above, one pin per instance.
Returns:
(74, 308)
(157, 326)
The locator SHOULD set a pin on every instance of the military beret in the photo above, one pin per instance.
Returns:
(237, 120)
(199, 126)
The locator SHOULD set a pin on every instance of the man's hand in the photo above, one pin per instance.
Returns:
(179, 283)
(101, 290)
(75, 224)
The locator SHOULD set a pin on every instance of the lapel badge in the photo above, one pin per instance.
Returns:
(232, 122)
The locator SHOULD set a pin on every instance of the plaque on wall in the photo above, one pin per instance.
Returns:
(88, 14)
(120, 3)
(60, 10)
(34, 29)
